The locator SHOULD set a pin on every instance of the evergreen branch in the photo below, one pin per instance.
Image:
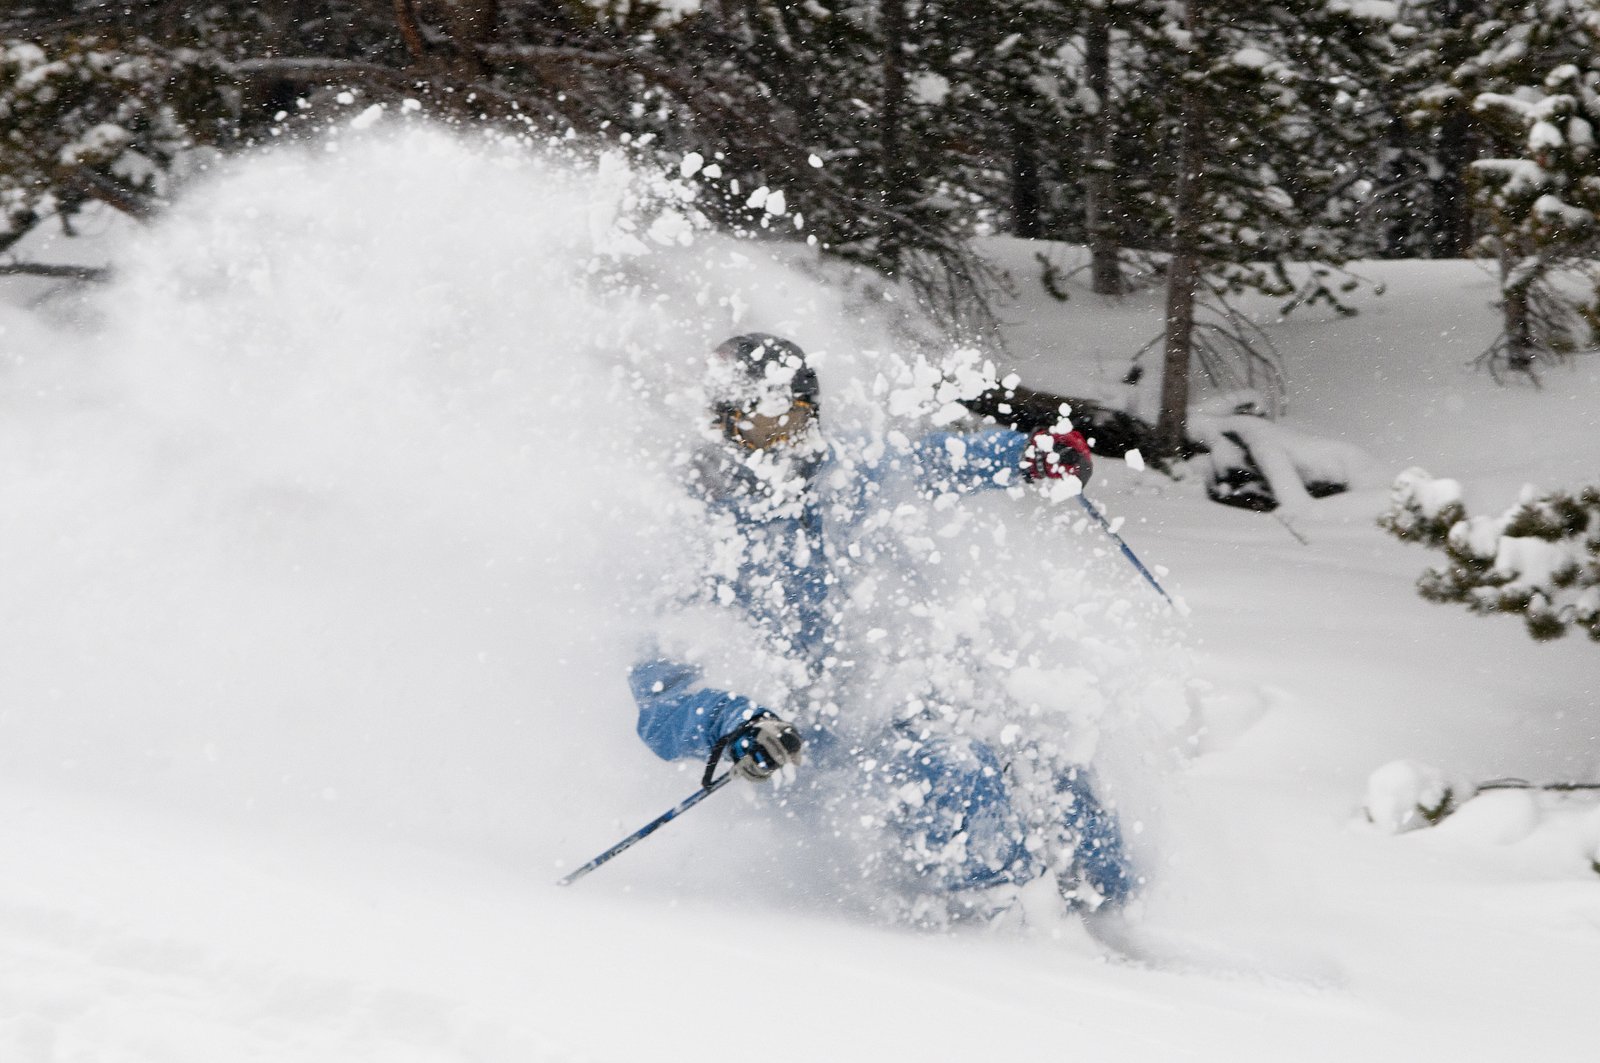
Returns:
(455, 93)
(317, 68)
(119, 14)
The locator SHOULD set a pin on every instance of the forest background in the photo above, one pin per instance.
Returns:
(1214, 149)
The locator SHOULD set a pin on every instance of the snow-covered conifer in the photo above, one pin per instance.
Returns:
(89, 117)
(1541, 197)
(1540, 559)
(1249, 136)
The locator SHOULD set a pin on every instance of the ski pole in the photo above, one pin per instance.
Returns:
(1281, 519)
(645, 831)
(1126, 550)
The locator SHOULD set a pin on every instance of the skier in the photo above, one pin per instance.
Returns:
(770, 473)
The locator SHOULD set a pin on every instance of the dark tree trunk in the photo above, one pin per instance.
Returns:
(1100, 177)
(892, 168)
(1450, 222)
(1516, 318)
(468, 25)
(1450, 214)
(1183, 277)
(1027, 188)
(1399, 210)
(1184, 269)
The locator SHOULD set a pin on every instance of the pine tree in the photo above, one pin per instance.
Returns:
(1100, 200)
(1033, 114)
(994, 80)
(1439, 135)
(1541, 197)
(93, 116)
(1540, 559)
(1253, 108)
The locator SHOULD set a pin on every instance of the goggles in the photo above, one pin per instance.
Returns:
(754, 430)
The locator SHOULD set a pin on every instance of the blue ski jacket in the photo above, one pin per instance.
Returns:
(783, 586)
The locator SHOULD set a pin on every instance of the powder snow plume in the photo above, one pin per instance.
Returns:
(349, 500)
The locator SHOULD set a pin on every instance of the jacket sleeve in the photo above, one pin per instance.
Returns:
(677, 716)
(950, 461)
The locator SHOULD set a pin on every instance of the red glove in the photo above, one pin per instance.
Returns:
(1057, 455)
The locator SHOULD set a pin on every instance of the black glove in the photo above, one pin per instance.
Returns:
(1057, 455)
(762, 745)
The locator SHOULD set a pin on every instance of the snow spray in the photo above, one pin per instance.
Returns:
(350, 501)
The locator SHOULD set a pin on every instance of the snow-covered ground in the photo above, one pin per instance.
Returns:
(319, 535)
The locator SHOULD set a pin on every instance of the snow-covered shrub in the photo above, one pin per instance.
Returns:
(1262, 465)
(1541, 558)
(1423, 509)
(93, 118)
(1404, 795)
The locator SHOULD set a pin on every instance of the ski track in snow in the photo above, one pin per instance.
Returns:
(311, 693)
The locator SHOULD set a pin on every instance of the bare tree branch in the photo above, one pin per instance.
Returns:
(943, 272)
(21, 224)
(313, 68)
(107, 15)
(38, 269)
(464, 96)
(936, 264)
(112, 193)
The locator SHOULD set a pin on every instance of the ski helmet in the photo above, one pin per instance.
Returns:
(762, 380)
(769, 363)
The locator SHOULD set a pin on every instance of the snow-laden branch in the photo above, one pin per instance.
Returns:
(1540, 559)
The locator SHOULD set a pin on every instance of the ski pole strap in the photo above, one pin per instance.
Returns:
(716, 755)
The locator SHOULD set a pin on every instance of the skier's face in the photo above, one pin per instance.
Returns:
(763, 427)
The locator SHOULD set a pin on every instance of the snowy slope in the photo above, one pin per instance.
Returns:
(320, 566)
